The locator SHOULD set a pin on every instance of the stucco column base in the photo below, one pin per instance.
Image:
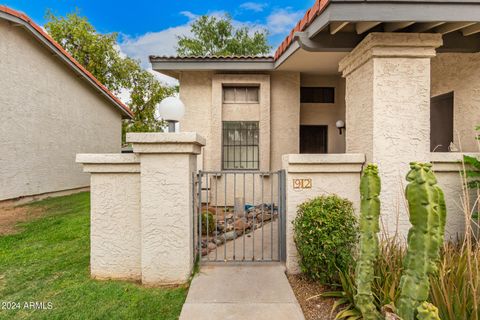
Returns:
(388, 111)
(167, 162)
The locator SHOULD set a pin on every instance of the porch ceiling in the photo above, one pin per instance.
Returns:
(339, 25)
(325, 63)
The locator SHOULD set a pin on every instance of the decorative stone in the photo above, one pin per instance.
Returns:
(264, 217)
(240, 224)
(230, 226)
(230, 235)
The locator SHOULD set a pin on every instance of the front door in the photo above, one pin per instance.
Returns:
(313, 139)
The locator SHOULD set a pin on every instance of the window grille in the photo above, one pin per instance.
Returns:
(240, 145)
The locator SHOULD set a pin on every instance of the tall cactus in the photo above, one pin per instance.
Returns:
(426, 205)
(369, 227)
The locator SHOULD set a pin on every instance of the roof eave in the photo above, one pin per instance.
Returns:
(377, 10)
(172, 66)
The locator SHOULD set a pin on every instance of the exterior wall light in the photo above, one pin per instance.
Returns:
(170, 109)
(340, 126)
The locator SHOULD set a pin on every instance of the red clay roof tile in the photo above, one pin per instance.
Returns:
(307, 19)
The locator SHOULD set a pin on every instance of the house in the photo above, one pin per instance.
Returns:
(354, 82)
(52, 109)
(395, 81)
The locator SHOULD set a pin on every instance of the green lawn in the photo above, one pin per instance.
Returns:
(48, 261)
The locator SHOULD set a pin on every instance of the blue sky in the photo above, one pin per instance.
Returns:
(151, 27)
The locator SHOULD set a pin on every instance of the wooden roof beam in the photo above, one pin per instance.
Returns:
(426, 26)
(337, 26)
(364, 26)
(394, 26)
(452, 26)
(474, 28)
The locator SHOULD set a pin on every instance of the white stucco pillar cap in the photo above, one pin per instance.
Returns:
(160, 142)
(109, 163)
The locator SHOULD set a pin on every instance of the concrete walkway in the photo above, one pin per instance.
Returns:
(252, 291)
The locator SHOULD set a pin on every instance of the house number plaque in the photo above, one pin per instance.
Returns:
(302, 183)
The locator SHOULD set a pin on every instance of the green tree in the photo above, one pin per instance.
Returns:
(212, 36)
(100, 55)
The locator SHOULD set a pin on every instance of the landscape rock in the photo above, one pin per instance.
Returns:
(230, 226)
(230, 235)
(240, 224)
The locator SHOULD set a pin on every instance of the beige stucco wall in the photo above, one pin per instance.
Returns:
(285, 116)
(48, 115)
(196, 92)
(359, 108)
(278, 113)
(460, 73)
(448, 170)
(326, 113)
(330, 174)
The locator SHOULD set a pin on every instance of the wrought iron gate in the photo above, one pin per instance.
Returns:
(239, 216)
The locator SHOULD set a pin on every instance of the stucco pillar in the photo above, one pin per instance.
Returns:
(115, 242)
(388, 110)
(167, 162)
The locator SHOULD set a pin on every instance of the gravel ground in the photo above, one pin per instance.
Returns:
(317, 308)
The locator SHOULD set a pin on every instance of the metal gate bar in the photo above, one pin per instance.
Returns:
(238, 214)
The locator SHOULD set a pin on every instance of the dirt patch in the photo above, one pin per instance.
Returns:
(313, 306)
(10, 216)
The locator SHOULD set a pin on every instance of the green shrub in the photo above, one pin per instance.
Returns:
(210, 221)
(325, 235)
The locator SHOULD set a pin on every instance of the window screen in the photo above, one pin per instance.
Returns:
(240, 145)
(240, 94)
(317, 95)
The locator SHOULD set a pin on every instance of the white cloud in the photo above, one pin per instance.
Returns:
(253, 6)
(282, 20)
(161, 43)
(189, 15)
(153, 43)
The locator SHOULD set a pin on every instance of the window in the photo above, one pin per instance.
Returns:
(240, 145)
(241, 94)
(317, 95)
